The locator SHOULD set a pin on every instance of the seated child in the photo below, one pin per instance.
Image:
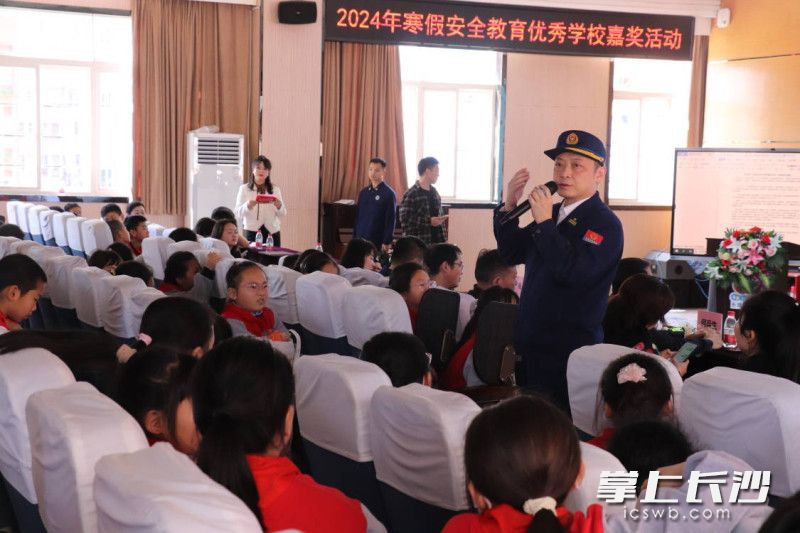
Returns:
(22, 281)
(227, 231)
(243, 396)
(181, 276)
(183, 234)
(633, 388)
(401, 355)
(154, 388)
(522, 457)
(492, 271)
(178, 323)
(122, 250)
(11, 230)
(361, 253)
(411, 281)
(460, 372)
(314, 261)
(135, 269)
(111, 212)
(107, 260)
(137, 229)
(248, 293)
(135, 208)
(204, 227)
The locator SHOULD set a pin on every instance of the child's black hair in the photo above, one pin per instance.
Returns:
(204, 227)
(136, 269)
(356, 251)
(234, 275)
(110, 208)
(400, 277)
(314, 261)
(132, 206)
(177, 266)
(132, 222)
(182, 234)
(122, 250)
(104, 258)
(401, 355)
(22, 271)
(176, 322)
(441, 253)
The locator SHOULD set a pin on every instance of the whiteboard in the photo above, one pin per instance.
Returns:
(717, 189)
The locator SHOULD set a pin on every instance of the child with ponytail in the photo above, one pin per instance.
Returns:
(633, 388)
(522, 457)
(243, 396)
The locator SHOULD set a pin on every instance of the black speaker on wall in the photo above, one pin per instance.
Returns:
(297, 12)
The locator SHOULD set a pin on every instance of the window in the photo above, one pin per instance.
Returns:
(451, 102)
(649, 119)
(66, 102)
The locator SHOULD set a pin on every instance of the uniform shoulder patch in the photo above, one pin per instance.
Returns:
(592, 237)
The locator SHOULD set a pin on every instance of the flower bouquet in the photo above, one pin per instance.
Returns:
(748, 260)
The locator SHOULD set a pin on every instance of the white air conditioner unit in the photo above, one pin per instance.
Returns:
(215, 165)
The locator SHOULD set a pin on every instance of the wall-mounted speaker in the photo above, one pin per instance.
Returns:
(297, 12)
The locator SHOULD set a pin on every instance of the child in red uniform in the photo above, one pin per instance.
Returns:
(154, 388)
(248, 293)
(522, 457)
(243, 394)
(633, 388)
(411, 281)
(21, 284)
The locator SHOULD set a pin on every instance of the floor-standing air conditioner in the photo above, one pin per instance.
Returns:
(215, 164)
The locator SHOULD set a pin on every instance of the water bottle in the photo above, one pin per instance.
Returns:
(729, 331)
(259, 239)
(270, 242)
(318, 247)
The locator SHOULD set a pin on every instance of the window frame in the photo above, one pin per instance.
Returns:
(96, 69)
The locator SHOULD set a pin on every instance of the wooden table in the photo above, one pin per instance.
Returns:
(268, 257)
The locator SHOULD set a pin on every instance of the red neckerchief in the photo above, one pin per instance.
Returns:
(259, 325)
(5, 322)
(453, 376)
(504, 518)
(166, 287)
(136, 250)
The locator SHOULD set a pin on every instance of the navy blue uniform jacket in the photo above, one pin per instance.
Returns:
(567, 277)
(375, 221)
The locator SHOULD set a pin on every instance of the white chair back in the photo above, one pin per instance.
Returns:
(182, 246)
(319, 302)
(418, 442)
(21, 247)
(46, 225)
(71, 428)
(21, 374)
(167, 231)
(34, 223)
(11, 211)
(752, 416)
(283, 293)
(60, 228)
(343, 381)
(85, 292)
(370, 310)
(220, 272)
(22, 217)
(95, 235)
(595, 461)
(122, 298)
(211, 242)
(585, 368)
(155, 230)
(154, 254)
(75, 235)
(361, 276)
(59, 278)
(42, 255)
(5, 245)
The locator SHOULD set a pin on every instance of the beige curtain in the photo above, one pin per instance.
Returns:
(195, 64)
(697, 94)
(362, 117)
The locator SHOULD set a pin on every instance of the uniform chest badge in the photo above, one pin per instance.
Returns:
(573, 221)
(592, 237)
(377, 197)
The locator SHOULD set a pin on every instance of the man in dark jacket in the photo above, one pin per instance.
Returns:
(376, 205)
(570, 252)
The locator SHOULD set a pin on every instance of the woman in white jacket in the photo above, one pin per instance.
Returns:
(260, 216)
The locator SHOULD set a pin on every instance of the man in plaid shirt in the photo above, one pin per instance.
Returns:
(420, 209)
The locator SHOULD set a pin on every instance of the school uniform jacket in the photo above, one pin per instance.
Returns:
(375, 221)
(569, 268)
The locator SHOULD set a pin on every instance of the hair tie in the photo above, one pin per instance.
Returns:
(145, 338)
(534, 505)
(632, 373)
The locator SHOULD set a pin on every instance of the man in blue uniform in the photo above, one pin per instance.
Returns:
(376, 206)
(570, 253)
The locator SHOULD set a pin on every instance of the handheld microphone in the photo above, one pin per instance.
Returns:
(524, 207)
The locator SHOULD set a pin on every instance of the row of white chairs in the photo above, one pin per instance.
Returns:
(75, 235)
(400, 450)
(751, 416)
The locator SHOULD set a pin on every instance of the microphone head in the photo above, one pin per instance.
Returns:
(553, 186)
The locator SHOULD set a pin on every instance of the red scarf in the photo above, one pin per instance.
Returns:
(505, 519)
(5, 322)
(453, 377)
(167, 288)
(258, 325)
(137, 250)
